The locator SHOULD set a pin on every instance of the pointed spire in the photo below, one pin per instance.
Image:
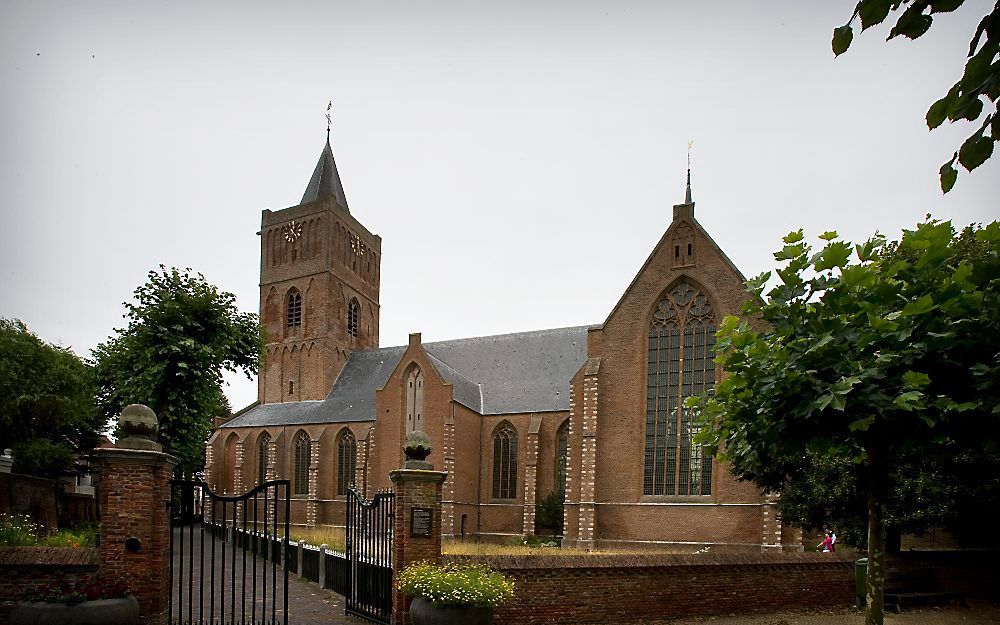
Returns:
(687, 193)
(325, 180)
(687, 208)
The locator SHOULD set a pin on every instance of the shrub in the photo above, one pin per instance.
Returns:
(549, 513)
(453, 584)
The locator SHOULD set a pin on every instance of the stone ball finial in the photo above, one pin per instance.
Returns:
(417, 446)
(139, 421)
(139, 425)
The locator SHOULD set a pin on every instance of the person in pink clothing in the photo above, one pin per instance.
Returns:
(827, 545)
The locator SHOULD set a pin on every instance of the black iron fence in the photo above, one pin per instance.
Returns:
(323, 565)
(212, 579)
(216, 539)
(369, 555)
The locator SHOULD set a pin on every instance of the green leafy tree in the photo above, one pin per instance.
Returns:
(979, 84)
(47, 410)
(870, 351)
(941, 485)
(182, 333)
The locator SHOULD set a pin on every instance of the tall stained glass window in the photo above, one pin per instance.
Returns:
(347, 453)
(262, 459)
(681, 364)
(303, 453)
(505, 462)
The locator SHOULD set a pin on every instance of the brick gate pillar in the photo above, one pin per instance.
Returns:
(416, 527)
(135, 522)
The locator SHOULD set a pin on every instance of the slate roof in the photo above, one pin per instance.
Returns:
(325, 180)
(501, 374)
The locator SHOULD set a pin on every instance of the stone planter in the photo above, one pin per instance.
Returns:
(423, 612)
(101, 612)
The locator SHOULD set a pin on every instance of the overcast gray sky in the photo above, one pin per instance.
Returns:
(519, 159)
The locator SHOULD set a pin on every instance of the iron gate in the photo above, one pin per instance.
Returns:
(225, 555)
(369, 555)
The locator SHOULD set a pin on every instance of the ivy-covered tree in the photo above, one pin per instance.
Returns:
(871, 352)
(47, 412)
(979, 84)
(182, 333)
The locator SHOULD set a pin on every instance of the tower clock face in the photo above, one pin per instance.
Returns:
(356, 246)
(293, 230)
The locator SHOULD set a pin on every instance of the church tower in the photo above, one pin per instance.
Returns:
(319, 286)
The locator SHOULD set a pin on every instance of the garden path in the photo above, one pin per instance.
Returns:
(308, 604)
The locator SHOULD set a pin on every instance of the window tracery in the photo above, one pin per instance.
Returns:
(680, 364)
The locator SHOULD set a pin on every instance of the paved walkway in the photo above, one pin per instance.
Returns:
(952, 615)
(308, 604)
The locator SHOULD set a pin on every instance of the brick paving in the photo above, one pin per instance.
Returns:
(308, 604)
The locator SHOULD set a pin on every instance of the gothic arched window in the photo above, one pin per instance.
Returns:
(505, 462)
(562, 457)
(414, 400)
(347, 448)
(681, 364)
(303, 456)
(352, 317)
(293, 316)
(262, 458)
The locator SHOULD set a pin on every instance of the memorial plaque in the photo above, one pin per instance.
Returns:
(420, 521)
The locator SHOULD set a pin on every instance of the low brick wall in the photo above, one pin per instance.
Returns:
(974, 572)
(623, 588)
(23, 568)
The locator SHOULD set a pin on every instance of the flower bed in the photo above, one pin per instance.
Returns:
(456, 585)
(18, 530)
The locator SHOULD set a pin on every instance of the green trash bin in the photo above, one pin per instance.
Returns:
(860, 582)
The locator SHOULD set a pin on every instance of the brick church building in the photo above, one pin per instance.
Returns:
(592, 412)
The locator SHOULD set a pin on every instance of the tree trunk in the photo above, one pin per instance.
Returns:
(877, 492)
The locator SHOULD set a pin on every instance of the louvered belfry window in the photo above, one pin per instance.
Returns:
(262, 459)
(294, 317)
(505, 463)
(352, 317)
(680, 365)
(347, 448)
(303, 456)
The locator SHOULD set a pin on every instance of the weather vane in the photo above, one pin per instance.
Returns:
(329, 122)
(690, 145)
